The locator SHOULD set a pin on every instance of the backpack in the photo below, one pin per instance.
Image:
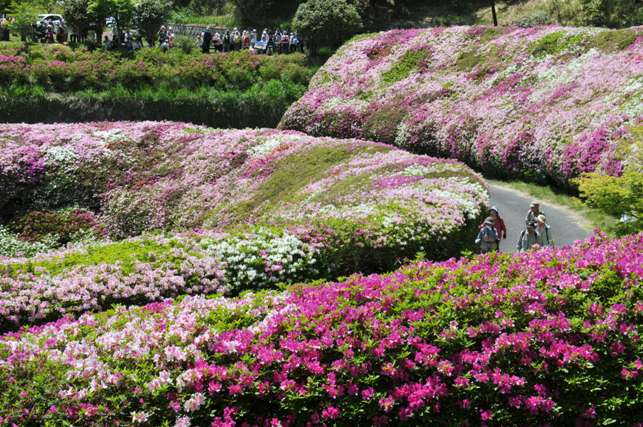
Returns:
(489, 235)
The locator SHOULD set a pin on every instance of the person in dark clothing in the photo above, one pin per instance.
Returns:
(226, 41)
(270, 46)
(164, 41)
(207, 39)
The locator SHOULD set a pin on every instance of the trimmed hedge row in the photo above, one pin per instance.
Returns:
(58, 84)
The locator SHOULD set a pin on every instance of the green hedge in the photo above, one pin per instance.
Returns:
(58, 84)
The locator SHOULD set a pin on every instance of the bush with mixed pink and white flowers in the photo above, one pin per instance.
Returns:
(545, 103)
(545, 338)
(254, 208)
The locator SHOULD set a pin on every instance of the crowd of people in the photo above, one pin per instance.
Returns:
(50, 32)
(537, 233)
(269, 42)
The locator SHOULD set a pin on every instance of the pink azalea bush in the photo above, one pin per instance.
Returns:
(543, 103)
(545, 338)
(258, 208)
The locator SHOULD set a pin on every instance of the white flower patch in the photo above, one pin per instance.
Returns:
(111, 135)
(264, 258)
(267, 147)
(426, 170)
(57, 155)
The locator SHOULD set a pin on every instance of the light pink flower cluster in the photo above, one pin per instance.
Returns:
(543, 103)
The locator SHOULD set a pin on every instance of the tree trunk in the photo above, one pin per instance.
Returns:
(493, 13)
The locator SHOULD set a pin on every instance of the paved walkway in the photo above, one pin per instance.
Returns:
(566, 226)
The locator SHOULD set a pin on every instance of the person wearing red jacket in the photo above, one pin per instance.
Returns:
(498, 224)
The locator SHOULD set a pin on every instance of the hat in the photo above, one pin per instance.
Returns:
(534, 204)
(488, 221)
(494, 209)
(541, 218)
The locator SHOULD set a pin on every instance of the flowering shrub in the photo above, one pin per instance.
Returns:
(552, 336)
(62, 226)
(11, 245)
(543, 103)
(266, 206)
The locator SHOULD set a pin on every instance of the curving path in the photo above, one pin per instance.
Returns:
(566, 226)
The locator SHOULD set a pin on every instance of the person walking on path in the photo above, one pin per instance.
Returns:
(487, 236)
(529, 238)
(544, 231)
(498, 224)
(533, 212)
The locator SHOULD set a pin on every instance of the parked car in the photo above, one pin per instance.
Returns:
(50, 18)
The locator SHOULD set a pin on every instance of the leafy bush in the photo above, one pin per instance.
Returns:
(12, 246)
(546, 337)
(326, 23)
(62, 226)
(621, 197)
(185, 43)
(265, 13)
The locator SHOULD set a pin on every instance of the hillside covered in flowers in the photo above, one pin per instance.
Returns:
(543, 103)
(552, 336)
(236, 209)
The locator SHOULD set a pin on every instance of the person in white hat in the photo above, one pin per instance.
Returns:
(487, 236)
(533, 212)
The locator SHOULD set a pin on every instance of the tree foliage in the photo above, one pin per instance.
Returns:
(4, 5)
(77, 16)
(149, 15)
(261, 13)
(618, 196)
(24, 16)
(326, 22)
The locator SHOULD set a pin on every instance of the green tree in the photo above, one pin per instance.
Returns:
(149, 15)
(77, 16)
(260, 13)
(326, 23)
(4, 5)
(24, 17)
(620, 196)
(121, 10)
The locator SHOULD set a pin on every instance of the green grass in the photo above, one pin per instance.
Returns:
(468, 60)
(510, 13)
(127, 253)
(555, 43)
(615, 40)
(293, 173)
(410, 62)
(226, 21)
(593, 218)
